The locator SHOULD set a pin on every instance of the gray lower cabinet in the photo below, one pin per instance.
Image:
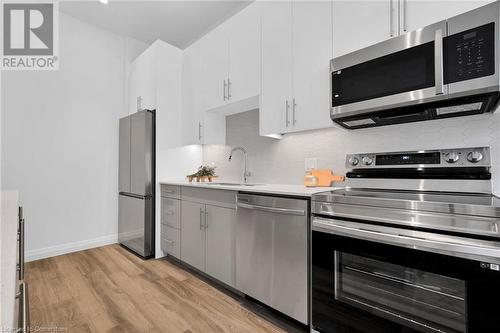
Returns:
(193, 234)
(207, 239)
(220, 238)
(198, 226)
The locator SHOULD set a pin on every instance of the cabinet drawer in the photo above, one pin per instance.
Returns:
(214, 197)
(171, 191)
(171, 212)
(171, 241)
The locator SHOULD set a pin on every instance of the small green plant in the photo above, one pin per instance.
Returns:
(204, 171)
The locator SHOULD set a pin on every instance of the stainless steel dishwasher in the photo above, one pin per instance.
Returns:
(272, 252)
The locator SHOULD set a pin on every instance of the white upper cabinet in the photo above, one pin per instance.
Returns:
(215, 68)
(142, 82)
(358, 24)
(311, 54)
(276, 86)
(230, 57)
(416, 14)
(192, 117)
(244, 55)
(296, 49)
(199, 127)
(155, 77)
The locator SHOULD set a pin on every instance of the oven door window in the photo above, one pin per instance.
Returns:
(404, 71)
(425, 301)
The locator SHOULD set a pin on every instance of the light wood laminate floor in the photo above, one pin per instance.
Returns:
(108, 289)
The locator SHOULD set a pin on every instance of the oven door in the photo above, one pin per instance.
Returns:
(369, 278)
(401, 71)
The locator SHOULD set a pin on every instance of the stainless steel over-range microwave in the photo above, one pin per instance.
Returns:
(447, 69)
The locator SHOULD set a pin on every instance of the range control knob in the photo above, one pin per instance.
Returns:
(353, 161)
(451, 157)
(474, 156)
(367, 160)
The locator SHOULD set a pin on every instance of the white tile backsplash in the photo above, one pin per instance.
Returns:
(282, 161)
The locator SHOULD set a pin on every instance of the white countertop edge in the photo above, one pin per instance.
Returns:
(280, 189)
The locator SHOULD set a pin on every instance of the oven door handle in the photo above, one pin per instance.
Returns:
(488, 251)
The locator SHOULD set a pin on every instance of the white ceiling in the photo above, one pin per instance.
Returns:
(179, 23)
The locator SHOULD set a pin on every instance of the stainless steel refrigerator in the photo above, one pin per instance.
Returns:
(136, 217)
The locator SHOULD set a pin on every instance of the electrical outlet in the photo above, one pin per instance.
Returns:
(311, 163)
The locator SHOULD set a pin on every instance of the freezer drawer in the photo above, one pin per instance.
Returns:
(135, 223)
(272, 252)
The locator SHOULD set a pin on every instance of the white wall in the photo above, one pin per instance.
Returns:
(282, 161)
(60, 139)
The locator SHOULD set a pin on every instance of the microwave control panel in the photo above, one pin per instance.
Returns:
(470, 54)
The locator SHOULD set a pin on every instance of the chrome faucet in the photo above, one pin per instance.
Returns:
(246, 174)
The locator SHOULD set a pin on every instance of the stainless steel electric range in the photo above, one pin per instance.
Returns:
(412, 244)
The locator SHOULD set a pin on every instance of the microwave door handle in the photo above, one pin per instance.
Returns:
(438, 61)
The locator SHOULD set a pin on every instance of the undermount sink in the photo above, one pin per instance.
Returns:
(232, 184)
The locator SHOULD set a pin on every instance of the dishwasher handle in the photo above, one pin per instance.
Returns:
(286, 211)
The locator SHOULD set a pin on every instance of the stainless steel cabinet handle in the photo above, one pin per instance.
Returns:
(199, 130)
(438, 61)
(224, 89)
(201, 218)
(403, 15)
(294, 106)
(287, 108)
(139, 103)
(168, 191)
(20, 265)
(229, 83)
(206, 219)
(287, 211)
(391, 20)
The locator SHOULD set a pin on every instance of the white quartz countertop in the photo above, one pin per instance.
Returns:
(280, 189)
(8, 257)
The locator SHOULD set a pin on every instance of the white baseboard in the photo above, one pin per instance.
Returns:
(57, 250)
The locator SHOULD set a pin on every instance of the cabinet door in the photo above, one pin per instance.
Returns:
(142, 81)
(358, 24)
(311, 54)
(192, 106)
(215, 68)
(220, 251)
(417, 13)
(199, 126)
(193, 234)
(276, 67)
(244, 54)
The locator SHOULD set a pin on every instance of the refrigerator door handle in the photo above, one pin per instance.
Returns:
(132, 195)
